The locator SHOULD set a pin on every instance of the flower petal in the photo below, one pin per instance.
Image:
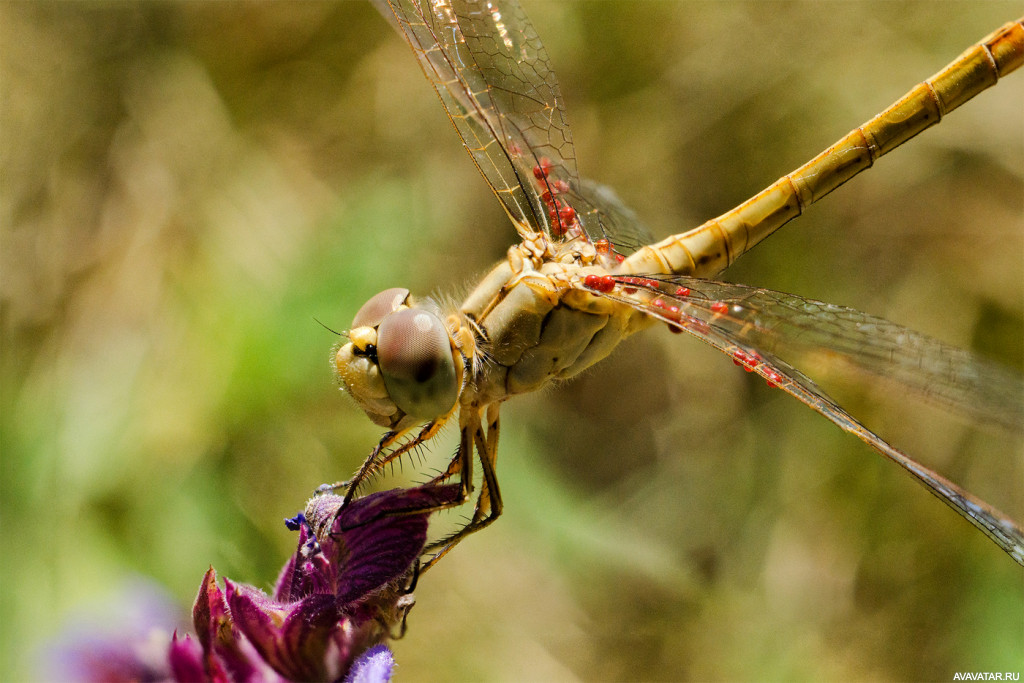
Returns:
(381, 535)
(186, 659)
(420, 500)
(373, 666)
(291, 639)
(227, 655)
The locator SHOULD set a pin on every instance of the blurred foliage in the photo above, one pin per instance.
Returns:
(188, 188)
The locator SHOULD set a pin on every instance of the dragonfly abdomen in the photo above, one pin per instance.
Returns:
(708, 249)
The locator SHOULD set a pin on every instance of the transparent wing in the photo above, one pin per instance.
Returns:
(605, 217)
(494, 78)
(792, 327)
(758, 327)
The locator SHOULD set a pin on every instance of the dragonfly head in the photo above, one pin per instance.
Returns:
(400, 362)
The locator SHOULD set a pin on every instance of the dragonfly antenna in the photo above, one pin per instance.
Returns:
(335, 333)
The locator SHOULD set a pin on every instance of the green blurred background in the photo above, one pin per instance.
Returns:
(189, 187)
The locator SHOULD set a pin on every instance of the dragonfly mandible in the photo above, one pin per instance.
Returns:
(584, 275)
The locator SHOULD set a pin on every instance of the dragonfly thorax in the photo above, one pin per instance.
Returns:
(400, 361)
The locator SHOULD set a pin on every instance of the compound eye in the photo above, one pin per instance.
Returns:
(379, 306)
(415, 359)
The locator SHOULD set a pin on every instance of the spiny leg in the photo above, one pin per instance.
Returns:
(488, 499)
(460, 463)
(489, 505)
(464, 455)
(374, 463)
(473, 436)
(361, 474)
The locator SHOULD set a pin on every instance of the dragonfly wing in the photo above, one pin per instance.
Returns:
(494, 78)
(604, 216)
(757, 326)
(792, 327)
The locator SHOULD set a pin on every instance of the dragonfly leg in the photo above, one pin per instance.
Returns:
(364, 470)
(464, 454)
(473, 437)
(455, 466)
(368, 465)
(375, 462)
(488, 504)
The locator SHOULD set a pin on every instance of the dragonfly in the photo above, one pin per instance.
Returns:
(585, 274)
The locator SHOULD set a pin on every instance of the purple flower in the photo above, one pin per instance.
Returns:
(343, 593)
(373, 665)
(121, 637)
